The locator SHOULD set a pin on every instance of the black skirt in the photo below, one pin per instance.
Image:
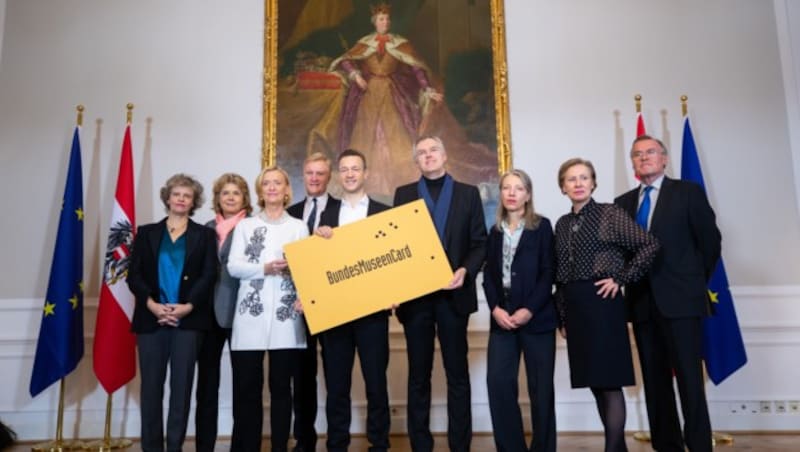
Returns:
(598, 345)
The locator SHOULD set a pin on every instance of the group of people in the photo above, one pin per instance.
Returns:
(198, 287)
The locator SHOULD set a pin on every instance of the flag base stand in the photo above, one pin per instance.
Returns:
(102, 445)
(717, 438)
(58, 446)
(642, 436)
(108, 443)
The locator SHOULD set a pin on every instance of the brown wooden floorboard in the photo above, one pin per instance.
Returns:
(567, 442)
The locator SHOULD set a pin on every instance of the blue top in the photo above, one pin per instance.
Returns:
(170, 267)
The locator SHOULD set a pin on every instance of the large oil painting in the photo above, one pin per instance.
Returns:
(373, 76)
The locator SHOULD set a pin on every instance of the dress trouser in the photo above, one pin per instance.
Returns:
(433, 317)
(370, 337)
(503, 356)
(248, 404)
(666, 346)
(305, 400)
(207, 392)
(176, 348)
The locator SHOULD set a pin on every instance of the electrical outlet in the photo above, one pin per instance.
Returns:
(793, 406)
(765, 407)
(745, 407)
(780, 406)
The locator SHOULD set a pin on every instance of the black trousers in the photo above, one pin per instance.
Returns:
(370, 337)
(667, 345)
(248, 403)
(176, 348)
(305, 399)
(207, 393)
(431, 318)
(502, 378)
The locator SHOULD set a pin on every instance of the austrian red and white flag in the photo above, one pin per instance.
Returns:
(114, 344)
(640, 125)
(633, 181)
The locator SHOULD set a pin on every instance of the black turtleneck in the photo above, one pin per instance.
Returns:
(434, 187)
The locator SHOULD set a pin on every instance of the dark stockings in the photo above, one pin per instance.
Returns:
(611, 405)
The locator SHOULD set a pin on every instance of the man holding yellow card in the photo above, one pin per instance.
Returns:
(368, 335)
(457, 214)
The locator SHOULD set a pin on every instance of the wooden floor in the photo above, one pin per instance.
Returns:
(566, 442)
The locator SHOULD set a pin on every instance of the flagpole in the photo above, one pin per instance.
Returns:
(59, 445)
(716, 437)
(641, 435)
(107, 443)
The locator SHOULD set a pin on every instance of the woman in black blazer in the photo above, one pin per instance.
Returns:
(518, 281)
(172, 272)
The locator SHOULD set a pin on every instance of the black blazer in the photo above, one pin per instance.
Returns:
(330, 216)
(197, 279)
(685, 225)
(296, 210)
(532, 276)
(465, 244)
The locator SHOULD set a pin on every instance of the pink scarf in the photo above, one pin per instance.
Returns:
(226, 225)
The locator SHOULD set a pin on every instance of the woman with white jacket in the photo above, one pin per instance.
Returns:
(268, 316)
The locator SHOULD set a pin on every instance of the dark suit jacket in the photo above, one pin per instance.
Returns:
(197, 279)
(465, 245)
(532, 276)
(685, 225)
(296, 210)
(226, 288)
(330, 217)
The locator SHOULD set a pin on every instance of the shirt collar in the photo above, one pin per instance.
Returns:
(361, 202)
(323, 198)
(656, 185)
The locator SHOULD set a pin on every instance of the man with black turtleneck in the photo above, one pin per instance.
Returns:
(457, 213)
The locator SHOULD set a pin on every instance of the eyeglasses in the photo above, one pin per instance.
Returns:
(649, 153)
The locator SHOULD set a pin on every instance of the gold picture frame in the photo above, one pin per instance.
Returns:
(271, 80)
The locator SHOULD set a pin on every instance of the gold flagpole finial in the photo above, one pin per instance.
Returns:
(638, 99)
(130, 112)
(79, 108)
(684, 107)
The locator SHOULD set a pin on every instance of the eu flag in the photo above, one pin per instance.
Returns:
(723, 348)
(60, 345)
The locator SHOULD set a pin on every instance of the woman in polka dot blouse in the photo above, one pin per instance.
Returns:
(598, 249)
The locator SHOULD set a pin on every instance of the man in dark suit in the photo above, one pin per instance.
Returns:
(457, 213)
(316, 175)
(369, 335)
(668, 305)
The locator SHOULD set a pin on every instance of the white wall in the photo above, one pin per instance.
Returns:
(194, 71)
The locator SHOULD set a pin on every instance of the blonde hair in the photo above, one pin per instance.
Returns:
(531, 218)
(235, 179)
(287, 199)
(318, 157)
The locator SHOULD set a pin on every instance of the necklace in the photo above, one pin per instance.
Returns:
(180, 226)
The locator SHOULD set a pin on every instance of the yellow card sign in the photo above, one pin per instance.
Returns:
(384, 259)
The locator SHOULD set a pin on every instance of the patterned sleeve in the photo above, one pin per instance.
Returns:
(243, 260)
(641, 246)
